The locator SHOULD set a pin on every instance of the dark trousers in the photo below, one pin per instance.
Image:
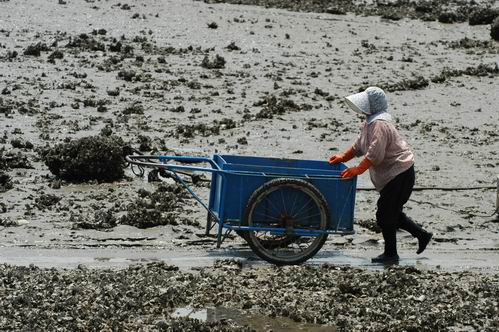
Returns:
(390, 216)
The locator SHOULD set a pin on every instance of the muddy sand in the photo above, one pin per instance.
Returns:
(265, 78)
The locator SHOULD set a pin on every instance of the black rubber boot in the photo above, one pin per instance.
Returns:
(390, 237)
(423, 242)
(415, 230)
(386, 259)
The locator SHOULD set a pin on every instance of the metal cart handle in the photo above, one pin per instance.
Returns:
(149, 161)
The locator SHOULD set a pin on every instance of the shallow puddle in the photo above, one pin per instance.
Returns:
(253, 320)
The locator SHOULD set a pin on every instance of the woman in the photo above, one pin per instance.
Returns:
(391, 167)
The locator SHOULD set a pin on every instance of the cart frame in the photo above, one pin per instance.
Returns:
(235, 178)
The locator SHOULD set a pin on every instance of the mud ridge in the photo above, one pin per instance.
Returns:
(446, 11)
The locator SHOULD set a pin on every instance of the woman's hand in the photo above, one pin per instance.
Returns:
(354, 171)
(351, 172)
(336, 159)
(342, 157)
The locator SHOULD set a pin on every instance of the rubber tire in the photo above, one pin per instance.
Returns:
(267, 188)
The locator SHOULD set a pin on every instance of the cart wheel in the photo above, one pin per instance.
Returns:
(286, 203)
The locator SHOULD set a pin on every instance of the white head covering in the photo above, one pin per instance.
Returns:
(371, 102)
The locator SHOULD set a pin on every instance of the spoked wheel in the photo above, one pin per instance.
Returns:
(287, 204)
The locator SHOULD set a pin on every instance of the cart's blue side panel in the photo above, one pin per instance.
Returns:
(211, 202)
(340, 196)
(237, 193)
(236, 188)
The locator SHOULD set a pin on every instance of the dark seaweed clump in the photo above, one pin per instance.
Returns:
(273, 106)
(494, 29)
(5, 182)
(483, 16)
(36, 49)
(11, 159)
(46, 201)
(85, 42)
(161, 207)
(192, 130)
(89, 158)
(416, 83)
(480, 71)
(468, 43)
(102, 220)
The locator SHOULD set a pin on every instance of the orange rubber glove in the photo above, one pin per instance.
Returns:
(342, 157)
(353, 171)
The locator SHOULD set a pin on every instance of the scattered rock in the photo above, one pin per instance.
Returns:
(392, 15)
(321, 92)
(416, 83)
(20, 144)
(85, 42)
(213, 62)
(102, 220)
(135, 108)
(36, 49)
(178, 109)
(191, 130)
(113, 92)
(57, 54)
(101, 32)
(233, 47)
(11, 159)
(369, 224)
(335, 10)
(213, 25)
(127, 75)
(161, 207)
(7, 222)
(46, 201)
(448, 17)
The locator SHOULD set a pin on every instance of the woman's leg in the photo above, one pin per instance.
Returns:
(406, 223)
(387, 219)
(390, 203)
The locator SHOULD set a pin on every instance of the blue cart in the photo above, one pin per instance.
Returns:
(284, 208)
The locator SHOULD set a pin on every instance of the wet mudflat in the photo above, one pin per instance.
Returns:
(83, 83)
(191, 259)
